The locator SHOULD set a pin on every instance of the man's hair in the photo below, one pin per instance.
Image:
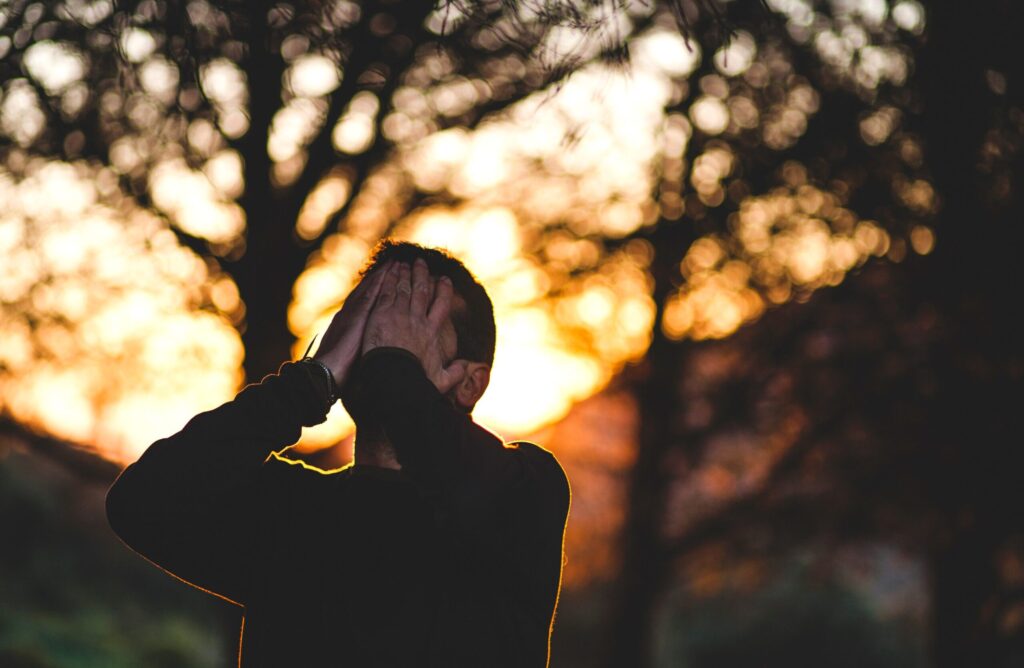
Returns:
(474, 326)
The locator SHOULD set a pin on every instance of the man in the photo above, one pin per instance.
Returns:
(439, 546)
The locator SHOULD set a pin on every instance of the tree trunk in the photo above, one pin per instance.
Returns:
(272, 263)
(272, 259)
(963, 584)
(645, 569)
(642, 583)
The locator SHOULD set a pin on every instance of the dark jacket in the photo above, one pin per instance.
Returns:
(453, 561)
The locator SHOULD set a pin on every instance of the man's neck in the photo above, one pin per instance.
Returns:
(372, 448)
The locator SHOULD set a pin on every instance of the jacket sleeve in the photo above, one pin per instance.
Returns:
(508, 502)
(192, 503)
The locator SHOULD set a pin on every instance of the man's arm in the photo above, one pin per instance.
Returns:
(193, 503)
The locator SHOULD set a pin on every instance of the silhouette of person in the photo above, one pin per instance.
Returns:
(439, 545)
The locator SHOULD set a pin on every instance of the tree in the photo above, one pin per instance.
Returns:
(881, 408)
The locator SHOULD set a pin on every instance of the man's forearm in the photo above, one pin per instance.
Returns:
(221, 448)
(193, 502)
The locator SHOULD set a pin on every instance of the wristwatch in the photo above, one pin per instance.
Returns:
(332, 390)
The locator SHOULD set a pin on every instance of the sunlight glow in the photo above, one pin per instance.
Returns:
(137, 44)
(194, 203)
(876, 127)
(329, 195)
(293, 126)
(552, 350)
(909, 15)
(785, 241)
(560, 338)
(355, 130)
(224, 170)
(548, 185)
(159, 77)
(666, 51)
(734, 59)
(853, 37)
(312, 75)
(89, 13)
(21, 119)
(108, 337)
(225, 85)
(55, 65)
(922, 239)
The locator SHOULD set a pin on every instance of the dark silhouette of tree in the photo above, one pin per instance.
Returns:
(880, 409)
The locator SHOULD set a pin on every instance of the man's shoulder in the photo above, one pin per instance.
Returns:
(543, 462)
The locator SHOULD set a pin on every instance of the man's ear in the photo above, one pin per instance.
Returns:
(472, 386)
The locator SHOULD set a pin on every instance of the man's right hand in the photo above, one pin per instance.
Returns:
(343, 340)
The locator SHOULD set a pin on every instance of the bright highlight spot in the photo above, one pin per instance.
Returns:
(55, 65)
(922, 239)
(710, 115)
(737, 57)
(194, 203)
(313, 75)
(137, 44)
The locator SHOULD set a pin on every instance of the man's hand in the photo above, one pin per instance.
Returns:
(344, 336)
(412, 312)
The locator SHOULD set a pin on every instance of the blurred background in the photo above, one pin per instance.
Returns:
(755, 268)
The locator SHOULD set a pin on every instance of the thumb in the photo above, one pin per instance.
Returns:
(452, 375)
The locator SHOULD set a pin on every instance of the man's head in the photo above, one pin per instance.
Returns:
(472, 314)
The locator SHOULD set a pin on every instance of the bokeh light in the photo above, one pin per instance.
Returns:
(112, 334)
(787, 242)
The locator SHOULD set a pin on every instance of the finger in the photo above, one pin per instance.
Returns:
(451, 375)
(442, 304)
(366, 292)
(403, 286)
(422, 288)
(389, 281)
